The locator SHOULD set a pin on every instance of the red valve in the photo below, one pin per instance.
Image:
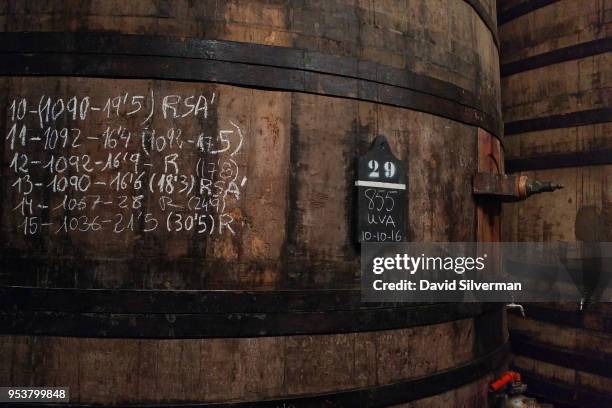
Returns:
(506, 378)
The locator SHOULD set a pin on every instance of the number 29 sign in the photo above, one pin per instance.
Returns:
(381, 195)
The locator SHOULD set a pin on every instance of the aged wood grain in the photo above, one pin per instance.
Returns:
(570, 351)
(558, 24)
(446, 39)
(238, 369)
(293, 220)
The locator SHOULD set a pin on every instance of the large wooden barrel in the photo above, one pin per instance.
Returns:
(556, 101)
(177, 214)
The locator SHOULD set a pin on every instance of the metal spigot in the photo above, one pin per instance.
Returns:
(510, 188)
(516, 306)
(536, 186)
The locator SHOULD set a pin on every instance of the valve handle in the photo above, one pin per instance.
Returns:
(505, 379)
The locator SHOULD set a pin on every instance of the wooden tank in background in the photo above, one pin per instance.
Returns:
(265, 308)
(556, 70)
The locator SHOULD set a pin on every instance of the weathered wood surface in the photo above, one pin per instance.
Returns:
(490, 160)
(471, 395)
(293, 220)
(115, 371)
(560, 345)
(445, 39)
(561, 23)
(293, 139)
(298, 156)
(508, 10)
(565, 88)
(556, 99)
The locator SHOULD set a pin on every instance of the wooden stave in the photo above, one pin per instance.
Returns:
(571, 146)
(478, 344)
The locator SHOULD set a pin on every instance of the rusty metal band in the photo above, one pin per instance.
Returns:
(565, 120)
(373, 397)
(526, 7)
(242, 64)
(212, 314)
(576, 360)
(560, 160)
(572, 52)
(562, 395)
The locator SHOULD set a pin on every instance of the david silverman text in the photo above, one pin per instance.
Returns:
(463, 284)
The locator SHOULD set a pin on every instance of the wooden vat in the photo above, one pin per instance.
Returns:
(264, 310)
(556, 102)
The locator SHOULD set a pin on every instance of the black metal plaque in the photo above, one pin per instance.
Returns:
(381, 195)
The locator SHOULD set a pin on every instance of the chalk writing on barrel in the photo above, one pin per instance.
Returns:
(121, 163)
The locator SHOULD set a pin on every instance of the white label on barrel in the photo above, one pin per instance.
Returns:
(379, 184)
